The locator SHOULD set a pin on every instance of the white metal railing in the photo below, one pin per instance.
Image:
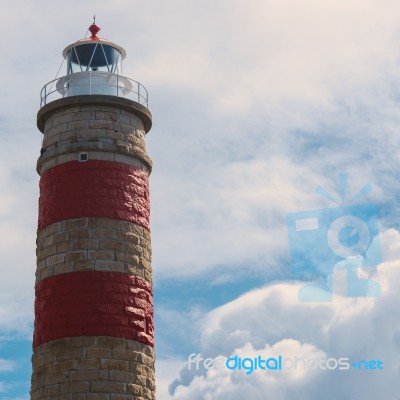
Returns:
(93, 82)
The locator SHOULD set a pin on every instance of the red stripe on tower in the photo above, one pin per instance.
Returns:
(101, 189)
(93, 303)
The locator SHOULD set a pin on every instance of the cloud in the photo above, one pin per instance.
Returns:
(218, 383)
(246, 55)
(7, 365)
(17, 245)
(289, 96)
(166, 370)
(242, 202)
(271, 321)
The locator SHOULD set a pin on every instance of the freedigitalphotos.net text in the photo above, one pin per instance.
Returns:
(251, 364)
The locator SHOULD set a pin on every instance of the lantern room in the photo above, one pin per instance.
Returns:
(94, 67)
(94, 54)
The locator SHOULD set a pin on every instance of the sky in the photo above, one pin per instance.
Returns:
(255, 104)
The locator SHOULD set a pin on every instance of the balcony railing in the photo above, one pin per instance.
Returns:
(92, 83)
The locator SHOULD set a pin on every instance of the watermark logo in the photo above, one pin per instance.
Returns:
(279, 363)
(330, 244)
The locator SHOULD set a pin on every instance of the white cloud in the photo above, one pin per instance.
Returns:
(166, 370)
(7, 365)
(230, 214)
(257, 55)
(294, 93)
(271, 321)
(220, 383)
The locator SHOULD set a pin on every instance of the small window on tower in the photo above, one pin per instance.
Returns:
(83, 157)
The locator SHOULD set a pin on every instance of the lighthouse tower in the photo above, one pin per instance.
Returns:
(93, 333)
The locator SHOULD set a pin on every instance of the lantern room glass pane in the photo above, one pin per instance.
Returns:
(94, 57)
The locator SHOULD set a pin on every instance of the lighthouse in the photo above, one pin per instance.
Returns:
(93, 332)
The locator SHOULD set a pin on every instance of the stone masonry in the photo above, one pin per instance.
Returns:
(93, 336)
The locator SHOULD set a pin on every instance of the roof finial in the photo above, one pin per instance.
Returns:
(94, 29)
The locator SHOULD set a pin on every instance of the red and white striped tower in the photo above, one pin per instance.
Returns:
(93, 334)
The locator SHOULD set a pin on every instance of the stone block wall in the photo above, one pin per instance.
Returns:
(94, 335)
